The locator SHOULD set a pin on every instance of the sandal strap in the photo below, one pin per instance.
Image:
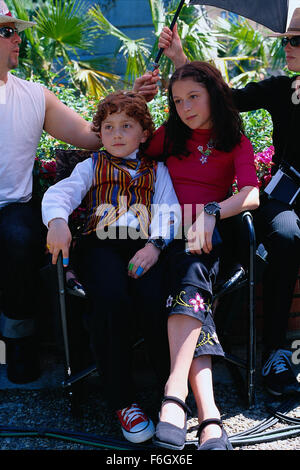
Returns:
(178, 401)
(206, 422)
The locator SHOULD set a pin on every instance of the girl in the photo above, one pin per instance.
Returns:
(204, 148)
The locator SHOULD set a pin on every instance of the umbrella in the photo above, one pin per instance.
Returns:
(270, 13)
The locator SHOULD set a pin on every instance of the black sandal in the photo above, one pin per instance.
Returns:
(168, 435)
(216, 443)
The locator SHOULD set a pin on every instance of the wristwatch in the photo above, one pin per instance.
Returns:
(213, 208)
(159, 242)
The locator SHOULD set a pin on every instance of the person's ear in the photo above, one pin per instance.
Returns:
(145, 136)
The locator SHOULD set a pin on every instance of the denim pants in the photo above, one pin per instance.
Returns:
(278, 228)
(22, 240)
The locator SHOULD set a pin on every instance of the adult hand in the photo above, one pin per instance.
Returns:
(200, 234)
(59, 239)
(146, 85)
(143, 260)
(171, 43)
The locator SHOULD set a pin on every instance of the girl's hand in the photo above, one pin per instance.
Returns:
(59, 239)
(143, 260)
(200, 234)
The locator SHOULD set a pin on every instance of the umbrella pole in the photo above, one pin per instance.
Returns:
(155, 65)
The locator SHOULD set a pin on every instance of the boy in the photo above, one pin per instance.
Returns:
(121, 188)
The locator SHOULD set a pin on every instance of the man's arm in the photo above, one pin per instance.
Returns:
(65, 124)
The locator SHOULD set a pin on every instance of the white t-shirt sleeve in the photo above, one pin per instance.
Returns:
(166, 210)
(61, 199)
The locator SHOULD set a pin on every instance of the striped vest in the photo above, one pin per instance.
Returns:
(114, 191)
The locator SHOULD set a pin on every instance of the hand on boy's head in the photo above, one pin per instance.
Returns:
(143, 260)
(59, 239)
(146, 85)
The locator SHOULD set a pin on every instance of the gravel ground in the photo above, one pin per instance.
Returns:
(44, 405)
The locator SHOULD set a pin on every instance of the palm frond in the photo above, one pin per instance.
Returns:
(95, 83)
(135, 51)
(158, 14)
(65, 23)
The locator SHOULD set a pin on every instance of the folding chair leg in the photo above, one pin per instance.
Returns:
(70, 380)
(251, 347)
(62, 303)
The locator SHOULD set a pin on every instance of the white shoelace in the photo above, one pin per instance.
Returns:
(130, 414)
(278, 360)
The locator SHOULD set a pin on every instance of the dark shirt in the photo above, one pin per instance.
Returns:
(276, 95)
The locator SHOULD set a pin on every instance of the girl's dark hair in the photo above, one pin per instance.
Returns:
(227, 126)
(133, 104)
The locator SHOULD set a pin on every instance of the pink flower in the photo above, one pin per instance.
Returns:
(198, 303)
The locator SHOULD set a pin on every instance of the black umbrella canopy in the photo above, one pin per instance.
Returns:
(270, 13)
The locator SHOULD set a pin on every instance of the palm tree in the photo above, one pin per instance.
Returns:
(248, 54)
(62, 29)
(135, 51)
(139, 54)
(197, 40)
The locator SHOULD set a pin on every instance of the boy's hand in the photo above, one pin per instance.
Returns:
(143, 260)
(59, 239)
(146, 85)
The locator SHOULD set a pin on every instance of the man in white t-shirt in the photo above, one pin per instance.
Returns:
(26, 109)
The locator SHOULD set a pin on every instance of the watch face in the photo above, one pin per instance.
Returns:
(211, 208)
(158, 242)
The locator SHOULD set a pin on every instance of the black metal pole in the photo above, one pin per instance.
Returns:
(248, 219)
(171, 28)
(63, 315)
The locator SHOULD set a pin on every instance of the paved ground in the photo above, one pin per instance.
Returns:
(43, 405)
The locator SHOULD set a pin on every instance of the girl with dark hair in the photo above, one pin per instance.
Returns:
(204, 148)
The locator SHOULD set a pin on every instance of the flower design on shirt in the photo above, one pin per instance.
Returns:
(197, 303)
(205, 153)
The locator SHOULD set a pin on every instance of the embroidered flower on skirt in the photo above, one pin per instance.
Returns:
(191, 303)
(197, 303)
(169, 301)
(208, 342)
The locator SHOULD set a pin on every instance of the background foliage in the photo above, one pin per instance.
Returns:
(49, 54)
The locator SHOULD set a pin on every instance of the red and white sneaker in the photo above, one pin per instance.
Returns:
(136, 426)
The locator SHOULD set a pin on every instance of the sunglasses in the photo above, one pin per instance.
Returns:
(7, 32)
(294, 41)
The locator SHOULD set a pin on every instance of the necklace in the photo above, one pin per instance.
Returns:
(205, 153)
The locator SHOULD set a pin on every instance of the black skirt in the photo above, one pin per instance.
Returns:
(191, 279)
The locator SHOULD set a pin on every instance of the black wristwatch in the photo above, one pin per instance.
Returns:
(159, 242)
(213, 208)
